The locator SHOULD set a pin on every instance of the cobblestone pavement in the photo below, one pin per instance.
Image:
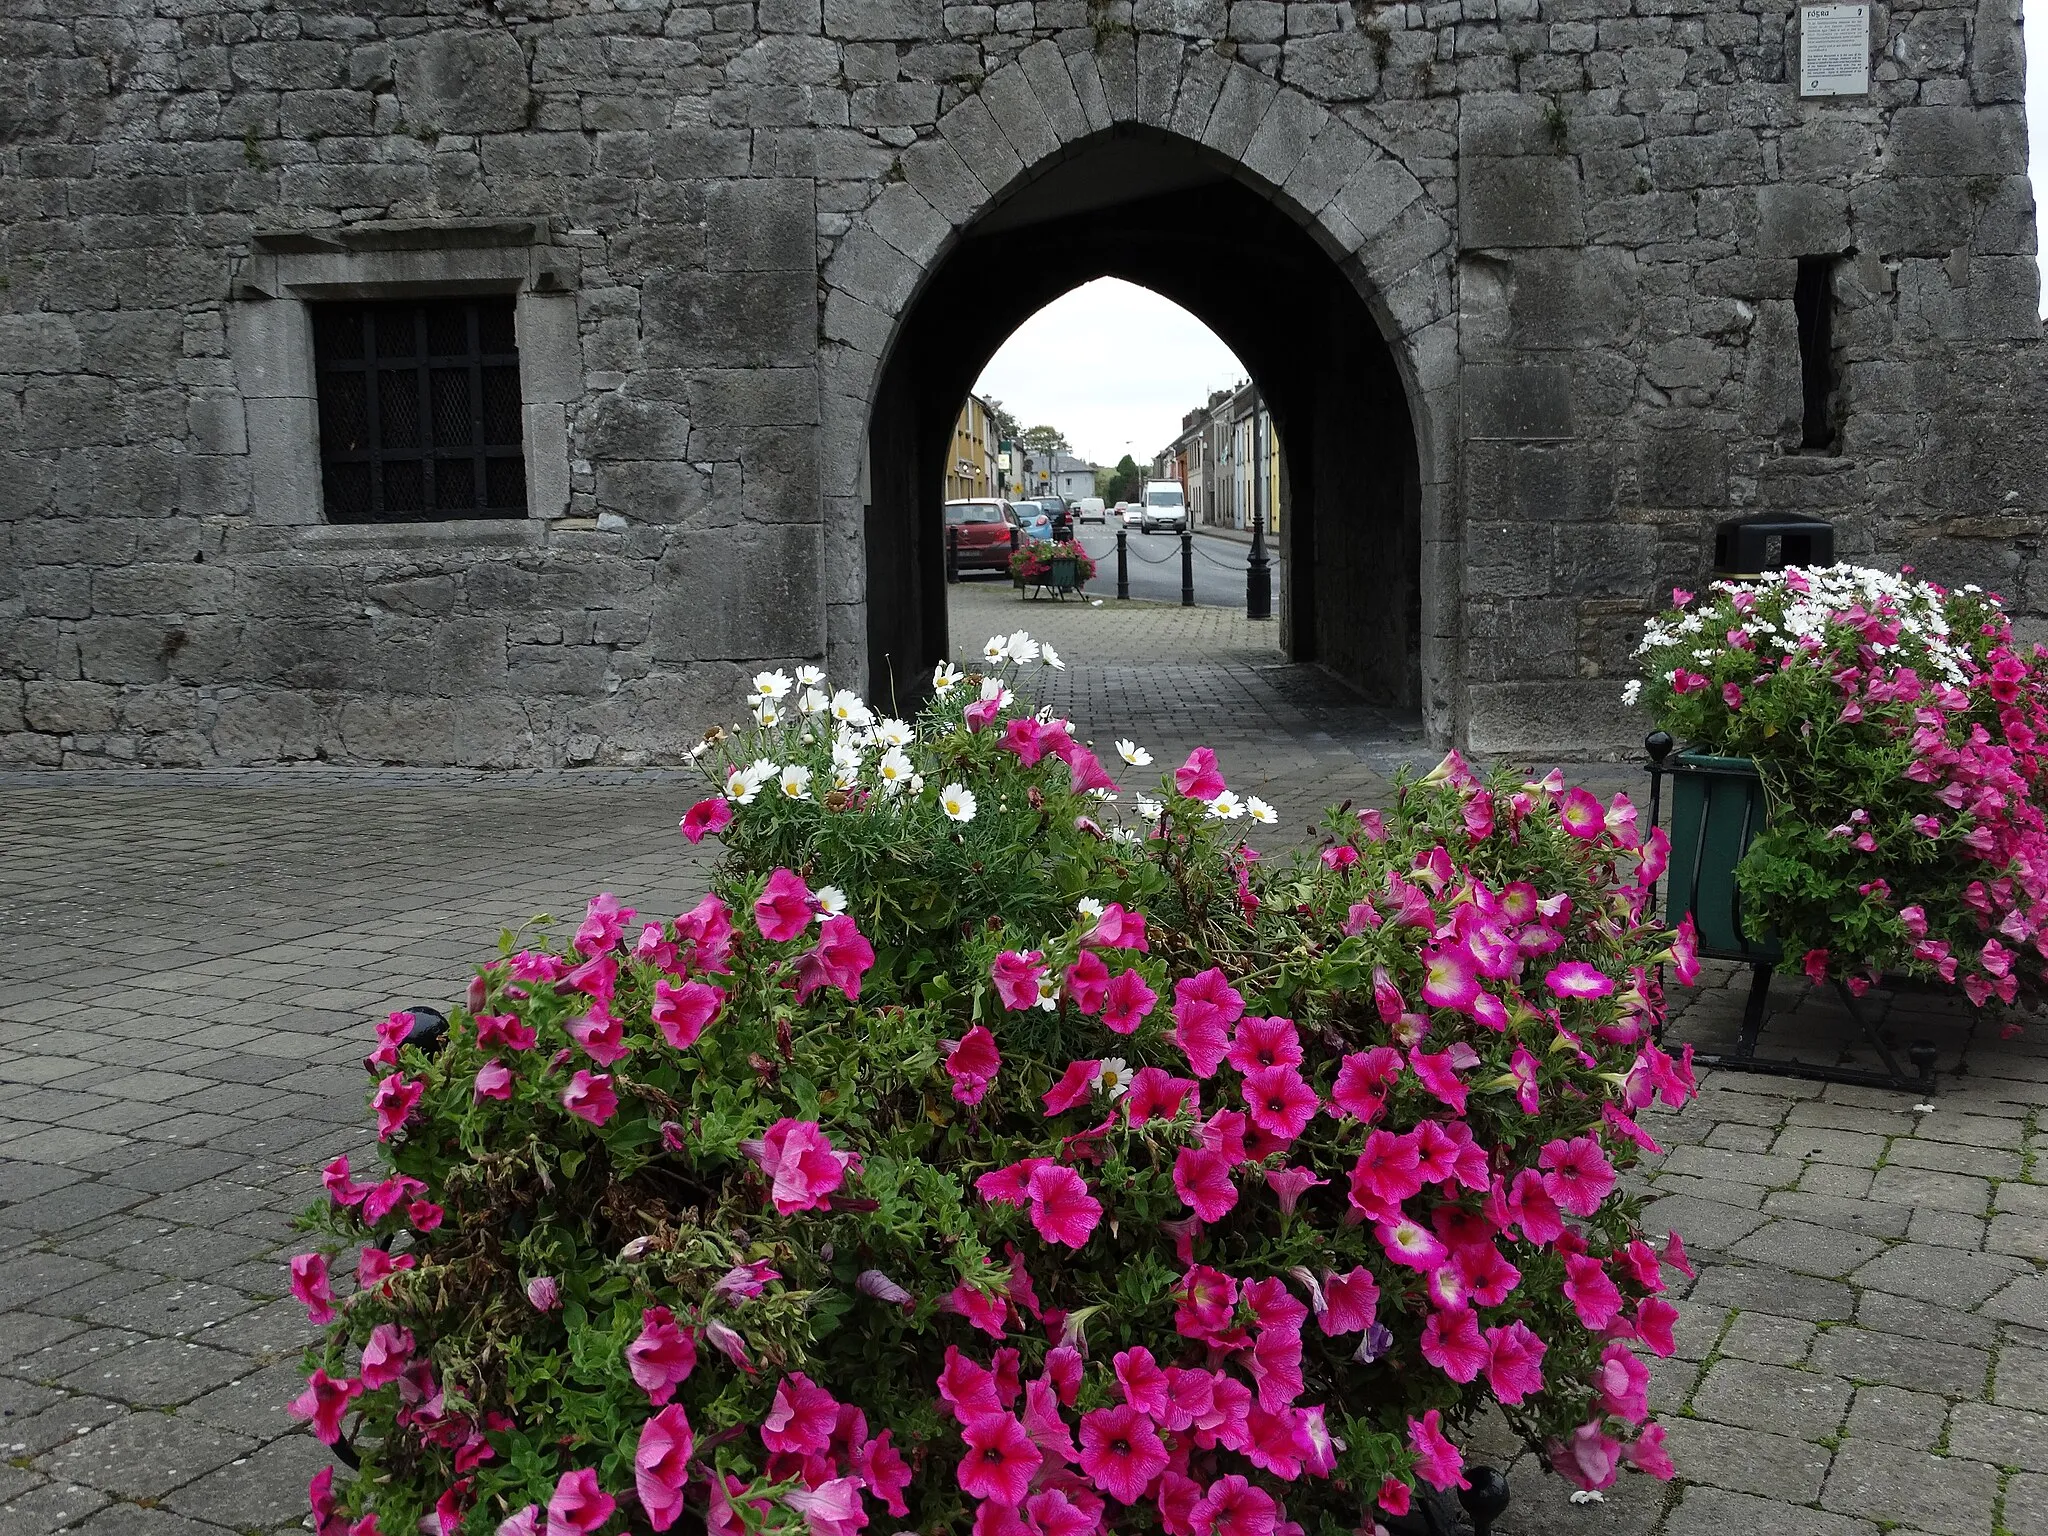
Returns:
(191, 965)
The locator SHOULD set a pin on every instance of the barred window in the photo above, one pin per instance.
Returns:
(419, 410)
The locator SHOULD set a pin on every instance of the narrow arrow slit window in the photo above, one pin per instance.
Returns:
(420, 415)
(1813, 301)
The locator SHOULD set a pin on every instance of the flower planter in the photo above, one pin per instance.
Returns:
(1717, 809)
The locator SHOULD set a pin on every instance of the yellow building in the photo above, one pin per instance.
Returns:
(972, 467)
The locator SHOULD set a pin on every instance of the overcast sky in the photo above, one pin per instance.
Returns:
(1115, 366)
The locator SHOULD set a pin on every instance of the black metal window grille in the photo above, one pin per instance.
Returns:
(1813, 302)
(419, 410)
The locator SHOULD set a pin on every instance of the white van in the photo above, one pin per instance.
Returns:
(1089, 509)
(1165, 506)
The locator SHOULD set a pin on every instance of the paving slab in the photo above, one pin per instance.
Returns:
(1942, 1494)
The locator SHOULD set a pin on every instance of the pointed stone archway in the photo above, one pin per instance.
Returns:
(1310, 251)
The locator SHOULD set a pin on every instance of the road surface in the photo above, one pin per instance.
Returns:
(1155, 567)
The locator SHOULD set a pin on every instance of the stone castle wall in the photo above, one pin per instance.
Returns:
(1577, 222)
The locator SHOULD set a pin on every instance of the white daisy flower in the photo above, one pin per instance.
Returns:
(811, 702)
(765, 713)
(997, 649)
(1049, 991)
(944, 676)
(796, 782)
(848, 708)
(845, 752)
(844, 776)
(895, 733)
(1149, 808)
(916, 783)
(1261, 812)
(1123, 835)
(809, 677)
(1114, 1077)
(894, 769)
(992, 688)
(957, 801)
(1133, 754)
(1088, 906)
(1226, 806)
(1051, 658)
(771, 685)
(831, 901)
(1020, 647)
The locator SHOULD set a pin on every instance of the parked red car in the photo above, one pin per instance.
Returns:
(984, 531)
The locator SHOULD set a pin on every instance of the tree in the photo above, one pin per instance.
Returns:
(1045, 440)
(1007, 428)
(1122, 483)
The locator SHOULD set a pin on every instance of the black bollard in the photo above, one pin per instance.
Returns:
(1258, 573)
(1123, 564)
(952, 555)
(1187, 569)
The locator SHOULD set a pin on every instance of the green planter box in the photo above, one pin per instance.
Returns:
(1717, 809)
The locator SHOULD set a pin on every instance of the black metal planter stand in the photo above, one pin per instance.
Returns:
(1436, 1514)
(1717, 809)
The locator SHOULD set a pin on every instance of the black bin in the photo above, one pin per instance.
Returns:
(1770, 541)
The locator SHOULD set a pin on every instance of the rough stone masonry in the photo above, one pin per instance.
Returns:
(1578, 224)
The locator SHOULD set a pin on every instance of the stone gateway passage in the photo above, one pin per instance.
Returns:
(501, 388)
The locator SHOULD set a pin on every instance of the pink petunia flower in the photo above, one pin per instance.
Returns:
(579, 1504)
(1279, 1101)
(882, 1467)
(597, 977)
(707, 928)
(832, 1508)
(494, 1029)
(841, 957)
(705, 817)
(1621, 1384)
(973, 1062)
(310, 1285)
(604, 924)
(394, 1101)
(1156, 1094)
(1016, 977)
(1533, 1210)
(1452, 1342)
(802, 1163)
(1289, 1184)
(1350, 1301)
(1207, 1300)
(1439, 1076)
(1142, 1381)
(661, 1463)
(1076, 1086)
(1450, 977)
(1578, 979)
(1387, 1172)
(1410, 1244)
(1514, 1362)
(802, 1417)
(1118, 928)
(1204, 1008)
(1121, 1453)
(1062, 1210)
(1011, 1185)
(493, 1081)
(323, 1403)
(1088, 982)
(1576, 1174)
(1591, 1291)
(1128, 1002)
(589, 1096)
(602, 1037)
(1202, 1180)
(1588, 1457)
(783, 909)
(1199, 778)
(1235, 1507)
(1265, 1043)
(385, 1355)
(543, 1293)
(1582, 815)
(662, 1357)
(1649, 1455)
(1362, 1082)
(682, 1013)
(1000, 1461)
(1438, 1462)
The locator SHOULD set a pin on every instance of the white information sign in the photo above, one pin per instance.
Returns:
(1834, 49)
